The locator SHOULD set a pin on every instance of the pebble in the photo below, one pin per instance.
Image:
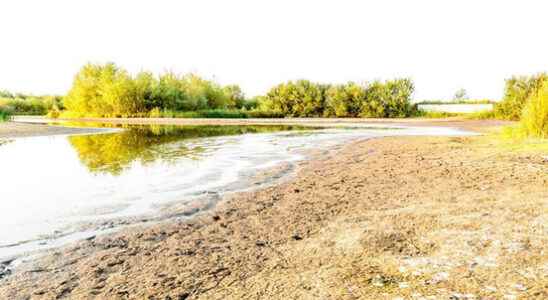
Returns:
(378, 281)
(441, 276)
(520, 287)
(491, 289)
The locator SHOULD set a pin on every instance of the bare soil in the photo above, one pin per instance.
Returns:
(387, 218)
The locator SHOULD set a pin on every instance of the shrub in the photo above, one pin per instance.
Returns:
(434, 114)
(534, 120)
(155, 113)
(301, 98)
(30, 105)
(306, 99)
(4, 115)
(54, 114)
(517, 91)
(110, 91)
(344, 100)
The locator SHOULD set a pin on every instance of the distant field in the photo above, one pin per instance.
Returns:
(455, 108)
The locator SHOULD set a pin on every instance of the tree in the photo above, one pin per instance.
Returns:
(235, 96)
(460, 95)
(517, 91)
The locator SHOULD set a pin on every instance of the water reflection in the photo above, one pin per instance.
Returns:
(114, 152)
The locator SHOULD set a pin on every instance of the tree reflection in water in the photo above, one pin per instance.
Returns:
(114, 152)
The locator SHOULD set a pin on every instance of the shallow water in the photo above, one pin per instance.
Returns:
(60, 188)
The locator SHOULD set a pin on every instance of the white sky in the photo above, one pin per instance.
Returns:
(442, 45)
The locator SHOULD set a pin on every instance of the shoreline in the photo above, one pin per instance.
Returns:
(361, 221)
(456, 122)
(15, 129)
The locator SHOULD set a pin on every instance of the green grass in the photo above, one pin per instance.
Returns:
(435, 114)
(482, 115)
(469, 101)
(211, 114)
(217, 114)
(513, 139)
(4, 116)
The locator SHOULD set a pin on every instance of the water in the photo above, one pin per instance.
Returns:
(58, 189)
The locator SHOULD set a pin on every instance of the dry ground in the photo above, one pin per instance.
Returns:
(389, 218)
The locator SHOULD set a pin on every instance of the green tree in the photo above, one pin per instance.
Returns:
(234, 96)
(460, 94)
(84, 94)
(517, 91)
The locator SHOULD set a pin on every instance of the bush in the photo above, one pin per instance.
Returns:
(4, 115)
(54, 114)
(306, 99)
(110, 91)
(434, 114)
(344, 100)
(296, 99)
(517, 91)
(215, 113)
(534, 120)
(155, 113)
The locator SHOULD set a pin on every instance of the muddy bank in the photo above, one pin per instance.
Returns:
(383, 218)
(457, 122)
(20, 129)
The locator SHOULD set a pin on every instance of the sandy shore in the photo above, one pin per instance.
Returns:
(447, 122)
(406, 217)
(20, 129)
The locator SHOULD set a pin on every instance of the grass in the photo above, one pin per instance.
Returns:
(470, 101)
(435, 114)
(511, 139)
(482, 115)
(4, 116)
(157, 113)
(217, 114)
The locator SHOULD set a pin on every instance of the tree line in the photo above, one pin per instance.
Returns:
(106, 90)
(110, 91)
(24, 104)
(304, 98)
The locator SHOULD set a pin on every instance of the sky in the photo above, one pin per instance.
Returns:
(442, 45)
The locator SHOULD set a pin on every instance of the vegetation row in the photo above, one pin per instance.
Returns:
(109, 91)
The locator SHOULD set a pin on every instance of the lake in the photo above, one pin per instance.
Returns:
(57, 189)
